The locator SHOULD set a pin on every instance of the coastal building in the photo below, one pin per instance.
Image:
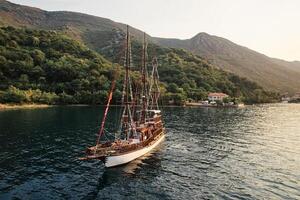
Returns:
(296, 96)
(285, 97)
(217, 96)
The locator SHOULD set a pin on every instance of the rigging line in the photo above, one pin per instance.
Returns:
(134, 103)
(130, 66)
(123, 110)
(144, 77)
(106, 132)
(126, 108)
(106, 138)
(132, 123)
(106, 110)
(150, 96)
(130, 111)
(157, 94)
(122, 100)
(121, 124)
(122, 58)
(130, 89)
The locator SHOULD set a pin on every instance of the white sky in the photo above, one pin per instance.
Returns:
(271, 27)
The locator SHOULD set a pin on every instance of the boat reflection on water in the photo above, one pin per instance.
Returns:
(146, 167)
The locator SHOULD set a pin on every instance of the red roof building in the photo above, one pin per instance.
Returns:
(217, 96)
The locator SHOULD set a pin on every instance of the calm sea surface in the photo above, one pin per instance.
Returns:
(251, 153)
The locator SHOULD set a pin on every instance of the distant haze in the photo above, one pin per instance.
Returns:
(270, 26)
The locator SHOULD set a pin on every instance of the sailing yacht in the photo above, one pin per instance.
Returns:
(141, 128)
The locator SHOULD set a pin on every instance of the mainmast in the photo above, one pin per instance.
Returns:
(127, 121)
(127, 63)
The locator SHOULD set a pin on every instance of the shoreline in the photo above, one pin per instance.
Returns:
(240, 105)
(4, 106)
(22, 106)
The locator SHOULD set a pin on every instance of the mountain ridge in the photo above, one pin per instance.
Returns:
(241, 60)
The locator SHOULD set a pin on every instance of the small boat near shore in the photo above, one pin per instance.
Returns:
(141, 128)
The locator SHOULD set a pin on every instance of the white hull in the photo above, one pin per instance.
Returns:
(112, 161)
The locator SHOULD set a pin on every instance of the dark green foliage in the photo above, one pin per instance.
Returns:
(54, 67)
(59, 70)
(294, 101)
(15, 95)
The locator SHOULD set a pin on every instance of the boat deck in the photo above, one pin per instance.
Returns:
(120, 147)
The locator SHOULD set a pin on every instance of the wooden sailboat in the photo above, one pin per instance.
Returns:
(141, 127)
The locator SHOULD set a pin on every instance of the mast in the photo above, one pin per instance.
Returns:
(127, 67)
(144, 86)
(127, 84)
(127, 121)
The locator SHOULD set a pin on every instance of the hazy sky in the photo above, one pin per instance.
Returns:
(271, 27)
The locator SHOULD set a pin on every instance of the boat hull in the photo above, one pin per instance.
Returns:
(112, 161)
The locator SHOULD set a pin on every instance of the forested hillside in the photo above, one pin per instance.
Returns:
(49, 67)
(102, 35)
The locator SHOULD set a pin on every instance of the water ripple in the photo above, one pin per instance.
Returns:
(250, 153)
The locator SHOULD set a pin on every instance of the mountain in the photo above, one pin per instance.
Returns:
(100, 34)
(81, 26)
(268, 72)
(294, 66)
(105, 36)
